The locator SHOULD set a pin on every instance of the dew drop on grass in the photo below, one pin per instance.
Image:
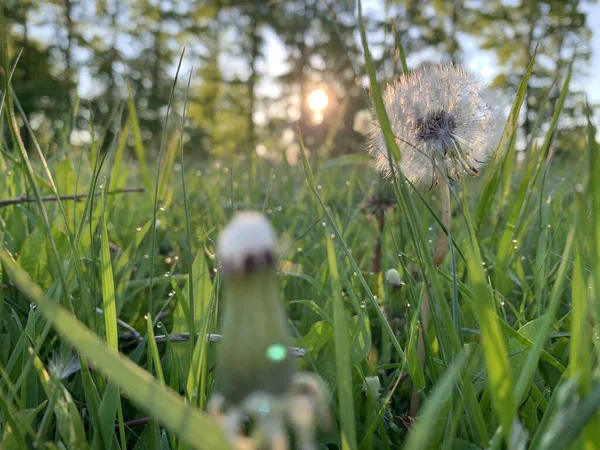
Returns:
(147, 316)
(430, 241)
(162, 208)
(171, 294)
(347, 183)
(138, 229)
(146, 256)
(167, 274)
(269, 211)
(299, 249)
(375, 297)
(159, 325)
(363, 304)
(323, 224)
(597, 336)
(279, 209)
(332, 236)
(319, 187)
(32, 305)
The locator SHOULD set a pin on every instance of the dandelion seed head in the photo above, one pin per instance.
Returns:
(445, 123)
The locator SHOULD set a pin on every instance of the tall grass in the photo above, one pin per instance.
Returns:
(90, 289)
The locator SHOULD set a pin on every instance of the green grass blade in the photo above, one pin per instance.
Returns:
(108, 290)
(593, 197)
(382, 115)
(157, 186)
(140, 151)
(139, 385)
(342, 356)
(530, 366)
(435, 410)
(494, 345)
(70, 425)
(510, 129)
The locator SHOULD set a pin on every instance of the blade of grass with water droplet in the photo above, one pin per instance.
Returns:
(139, 385)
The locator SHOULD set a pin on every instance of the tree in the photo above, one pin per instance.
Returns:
(512, 32)
(39, 82)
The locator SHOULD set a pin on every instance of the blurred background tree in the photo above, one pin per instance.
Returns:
(558, 29)
(255, 63)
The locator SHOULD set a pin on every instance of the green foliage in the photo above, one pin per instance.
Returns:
(98, 294)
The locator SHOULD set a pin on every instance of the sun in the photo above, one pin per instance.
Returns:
(317, 100)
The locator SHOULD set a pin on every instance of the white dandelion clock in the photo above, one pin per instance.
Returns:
(444, 122)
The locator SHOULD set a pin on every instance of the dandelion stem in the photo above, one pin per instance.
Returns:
(441, 250)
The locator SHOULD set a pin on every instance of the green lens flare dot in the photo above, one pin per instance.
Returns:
(276, 352)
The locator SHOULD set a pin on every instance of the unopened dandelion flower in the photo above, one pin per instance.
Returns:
(444, 123)
(253, 354)
(247, 244)
(393, 278)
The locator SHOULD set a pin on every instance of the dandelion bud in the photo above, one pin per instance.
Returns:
(246, 245)
(393, 278)
(394, 305)
(253, 355)
(443, 122)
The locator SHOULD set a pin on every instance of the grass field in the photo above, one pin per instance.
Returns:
(91, 287)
